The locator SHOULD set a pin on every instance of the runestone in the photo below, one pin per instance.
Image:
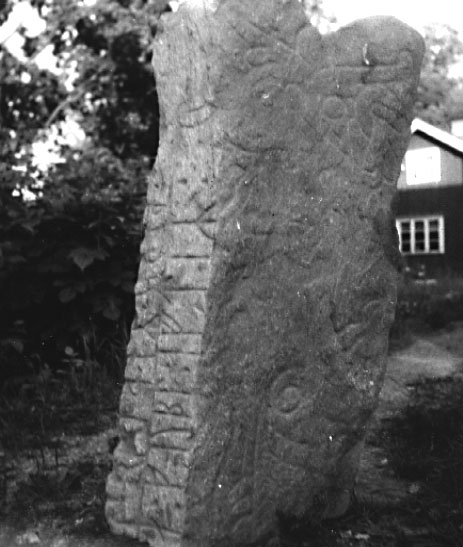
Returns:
(267, 282)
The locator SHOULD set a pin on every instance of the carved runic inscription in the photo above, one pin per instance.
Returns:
(267, 280)
(158, 406)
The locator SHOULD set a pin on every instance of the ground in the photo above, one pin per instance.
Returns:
(53, 495)
(435, 359)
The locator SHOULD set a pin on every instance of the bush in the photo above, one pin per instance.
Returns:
(427, 304)
(424, 444)
(69, 267)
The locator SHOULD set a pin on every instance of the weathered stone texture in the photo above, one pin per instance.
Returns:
(267, 282)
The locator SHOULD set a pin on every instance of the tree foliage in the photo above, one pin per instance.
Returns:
(70, 232)
(439, 92)
(318, 16)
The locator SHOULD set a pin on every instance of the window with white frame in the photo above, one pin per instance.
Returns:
(421, 235)
(423, 165)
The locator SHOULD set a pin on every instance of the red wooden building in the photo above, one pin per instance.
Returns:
(430, 205)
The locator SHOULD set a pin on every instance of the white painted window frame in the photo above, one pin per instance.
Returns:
(426, 221)
(423, 166)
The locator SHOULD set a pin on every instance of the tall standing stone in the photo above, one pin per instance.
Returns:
(267, 282)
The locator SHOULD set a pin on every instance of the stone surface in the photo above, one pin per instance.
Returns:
(267, 282)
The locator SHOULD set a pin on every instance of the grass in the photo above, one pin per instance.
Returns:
(425, 445)
(66, 494)
(37, 409)
(424, 306)
(50, 470)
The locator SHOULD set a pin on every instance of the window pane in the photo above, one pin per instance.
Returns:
(419, 226)
(434, 235)
(419, 236)
(434, 244)
(406, 246)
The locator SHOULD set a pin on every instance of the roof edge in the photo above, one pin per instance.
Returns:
(438, 134)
